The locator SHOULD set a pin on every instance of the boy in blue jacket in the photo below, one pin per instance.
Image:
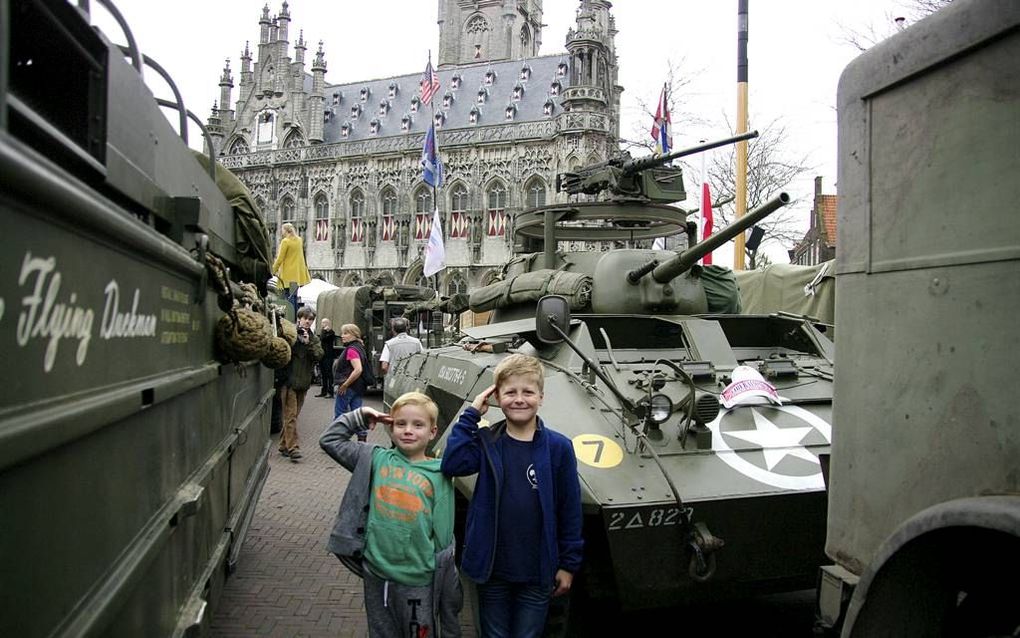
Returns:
(523, 535)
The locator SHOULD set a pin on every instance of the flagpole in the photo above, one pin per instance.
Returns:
(741, 185)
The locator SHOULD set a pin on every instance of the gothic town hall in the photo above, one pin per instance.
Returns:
(341, 161)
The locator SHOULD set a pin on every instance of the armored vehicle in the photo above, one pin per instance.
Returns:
(684, 499)
(131, 459)
(924, 492)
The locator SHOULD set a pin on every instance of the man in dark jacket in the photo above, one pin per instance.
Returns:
(304, 355)
(328, 339)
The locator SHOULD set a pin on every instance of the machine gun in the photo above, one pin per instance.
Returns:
(644, 178)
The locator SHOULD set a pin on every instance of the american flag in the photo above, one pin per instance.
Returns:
(429, 83)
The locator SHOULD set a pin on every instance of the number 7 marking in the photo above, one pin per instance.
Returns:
(598, 452)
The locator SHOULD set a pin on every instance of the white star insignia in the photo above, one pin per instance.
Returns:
(776, 443)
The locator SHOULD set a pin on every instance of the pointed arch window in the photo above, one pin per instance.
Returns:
(555, 88)
(510, 112)
(561, 70)
(474, 115)
(321, 217)
(337, 97)
(364, 93)
(415, 103)
(422, 213)
(373, 127)
(448, 100)
(389, 212)
(355, 111)
(294, 140)
(456, 285)
(459, 221)
(518, 92)
(405, 123)
(534, 193)
(483, 94)
(357, 217)
(496, 210)
(525, 70)
(392, 90)
(345, 130)
(455, 82)
(549, 107)
(287, 209)
(490, 78)
(384, 108)
(439, 119)
(238, 147)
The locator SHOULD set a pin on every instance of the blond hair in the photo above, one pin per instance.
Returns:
(352, 329)
(519, 365)
(420, 400)
(288, 229)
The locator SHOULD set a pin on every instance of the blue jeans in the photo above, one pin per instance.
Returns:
(512, 610)
(345, 402)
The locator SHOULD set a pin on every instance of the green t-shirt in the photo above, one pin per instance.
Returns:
(410, 517)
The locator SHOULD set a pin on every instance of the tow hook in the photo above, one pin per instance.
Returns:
(703, 547)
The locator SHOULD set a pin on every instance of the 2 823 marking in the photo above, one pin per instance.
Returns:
(636, 519)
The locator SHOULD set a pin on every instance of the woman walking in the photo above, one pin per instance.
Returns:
(290, 264)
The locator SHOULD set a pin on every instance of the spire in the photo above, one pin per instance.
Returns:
(225, 79)
(264, 24)
(320, 59)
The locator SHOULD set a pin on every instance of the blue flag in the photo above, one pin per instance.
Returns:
(430, 162)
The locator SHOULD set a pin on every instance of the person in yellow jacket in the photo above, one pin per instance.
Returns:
(290, 262)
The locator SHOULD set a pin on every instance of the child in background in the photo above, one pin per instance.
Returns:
(523, 542)
(395, 524)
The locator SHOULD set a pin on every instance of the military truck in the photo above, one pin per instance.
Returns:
(131, 458)
(924, 478)
(371, 307)
(684, 498)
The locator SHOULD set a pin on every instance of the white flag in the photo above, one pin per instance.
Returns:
(435, 252)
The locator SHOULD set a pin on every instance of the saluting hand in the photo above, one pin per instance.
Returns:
(481, 402)
(374, 416)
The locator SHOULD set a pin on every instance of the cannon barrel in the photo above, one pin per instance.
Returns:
(643, 163)
(670, 269)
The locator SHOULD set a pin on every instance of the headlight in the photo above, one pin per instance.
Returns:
(660, 408)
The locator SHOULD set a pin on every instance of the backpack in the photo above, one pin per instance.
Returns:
(367, 378)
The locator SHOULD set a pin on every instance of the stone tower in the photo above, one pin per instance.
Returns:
(593, 65)
(488, 30)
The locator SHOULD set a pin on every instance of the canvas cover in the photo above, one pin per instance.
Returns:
(721, 290)
(800, 290)
(532, 286)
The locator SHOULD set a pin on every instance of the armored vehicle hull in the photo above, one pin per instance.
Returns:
(130, 458)
(748, 476)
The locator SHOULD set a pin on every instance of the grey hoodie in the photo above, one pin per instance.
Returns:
(347, 539)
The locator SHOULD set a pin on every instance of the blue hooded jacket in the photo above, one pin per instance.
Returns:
(471, 450)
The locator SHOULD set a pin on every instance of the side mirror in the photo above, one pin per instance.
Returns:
(553, 312)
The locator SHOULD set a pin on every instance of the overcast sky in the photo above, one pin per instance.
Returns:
(796, 52)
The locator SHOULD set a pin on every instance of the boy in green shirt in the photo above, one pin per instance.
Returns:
(395, 524)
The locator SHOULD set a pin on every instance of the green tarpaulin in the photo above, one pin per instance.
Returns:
(800, 290)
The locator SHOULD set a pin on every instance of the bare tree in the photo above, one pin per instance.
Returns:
(771, 167)
(863, 37)
(678, 89)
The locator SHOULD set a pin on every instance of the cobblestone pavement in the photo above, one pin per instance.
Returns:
(286, 584)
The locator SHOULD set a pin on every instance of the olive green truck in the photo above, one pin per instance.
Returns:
(924, 479)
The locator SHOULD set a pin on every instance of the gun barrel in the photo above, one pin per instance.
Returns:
(669, 270)
(642, 163)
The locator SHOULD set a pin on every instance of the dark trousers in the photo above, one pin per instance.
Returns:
(326, 370)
